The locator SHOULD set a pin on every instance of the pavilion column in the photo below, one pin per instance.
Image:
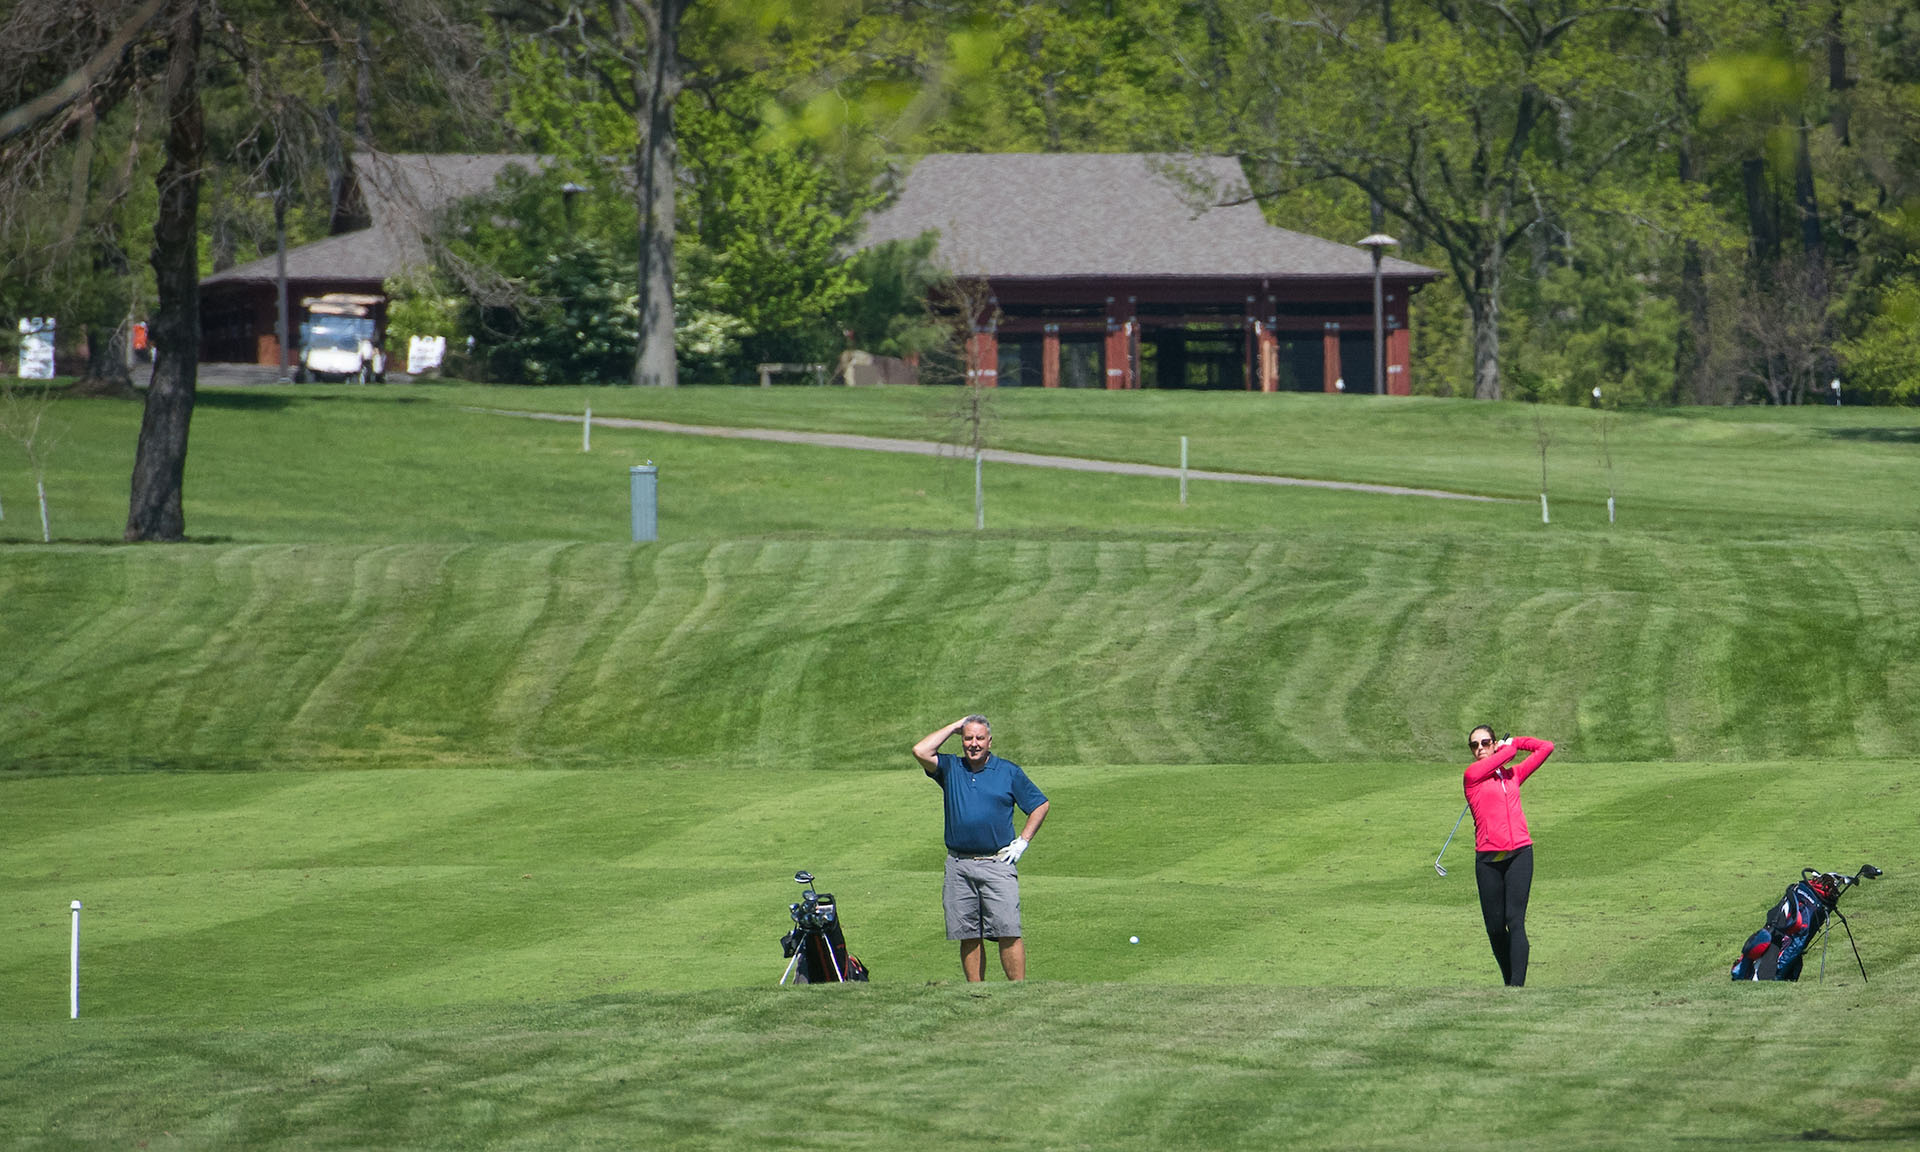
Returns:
(983, 357)
(1050, 357)
(1250, 347)
(1120, 340)
(1399, 361)
(1330, 356)
(1133, 342)
(1266, 346)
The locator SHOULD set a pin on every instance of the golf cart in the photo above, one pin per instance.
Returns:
(339, 340)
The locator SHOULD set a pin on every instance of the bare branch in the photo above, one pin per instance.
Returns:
(81, 79)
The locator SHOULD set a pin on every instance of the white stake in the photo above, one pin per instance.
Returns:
(46, 533)
(979, 497)
(75, 999)
(586, 430)
(1183, 471)
(1609, 509)
(1543, 509)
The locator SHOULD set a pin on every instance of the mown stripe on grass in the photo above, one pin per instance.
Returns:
(1319, 647)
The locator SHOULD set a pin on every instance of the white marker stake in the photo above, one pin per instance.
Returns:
(1183, 471)
(1543, 509)
(75, 998)
(586, 430)
(1609, 509)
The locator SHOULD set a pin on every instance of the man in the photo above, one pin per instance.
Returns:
(982, 890)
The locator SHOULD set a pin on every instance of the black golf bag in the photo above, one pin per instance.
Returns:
(1777, 950)
(816, 949)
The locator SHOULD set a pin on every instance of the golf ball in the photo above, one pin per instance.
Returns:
(1133, 939)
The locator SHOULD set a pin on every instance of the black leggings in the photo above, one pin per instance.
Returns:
(1504, 887)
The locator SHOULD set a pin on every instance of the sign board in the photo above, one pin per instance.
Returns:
(425, 353)
(36, 348)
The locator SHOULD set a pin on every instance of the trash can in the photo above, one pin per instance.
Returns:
(645, 479)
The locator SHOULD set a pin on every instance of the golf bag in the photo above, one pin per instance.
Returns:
(816, 949)
(1777, 950)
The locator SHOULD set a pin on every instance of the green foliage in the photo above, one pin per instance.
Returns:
(575, 322)
(82, 262)
(553, 293)
(889, 314)
(1762, 85)
(1883, 362)
(1442, 341)
(1596, 321)
(765, 228)
(423, 305)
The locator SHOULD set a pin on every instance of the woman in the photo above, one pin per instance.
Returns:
(1503, 852)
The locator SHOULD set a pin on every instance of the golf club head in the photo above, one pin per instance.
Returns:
(1870, 872)
(803, 877)
(1438, 868)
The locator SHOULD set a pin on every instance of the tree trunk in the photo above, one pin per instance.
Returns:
(107, 373)
(1693, 350)
(1838, 81)
(656, 169)
(1483, 307)
(1806, 202)
(336, 155)
(1763, 233)
(160, 461)
(363, 84)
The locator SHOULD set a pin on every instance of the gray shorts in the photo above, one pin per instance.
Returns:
(982, 898)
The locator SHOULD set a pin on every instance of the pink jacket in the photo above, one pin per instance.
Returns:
(1493, 792)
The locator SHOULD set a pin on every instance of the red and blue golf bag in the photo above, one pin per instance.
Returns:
(1777, 951)
(816, 949)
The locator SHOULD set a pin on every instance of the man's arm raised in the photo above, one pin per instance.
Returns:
(929, 746)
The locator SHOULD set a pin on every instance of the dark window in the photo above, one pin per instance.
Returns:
(1198, 358)
(1356, 361)
(1083, 362)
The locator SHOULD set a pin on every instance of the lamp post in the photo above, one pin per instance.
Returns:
(1378, 243)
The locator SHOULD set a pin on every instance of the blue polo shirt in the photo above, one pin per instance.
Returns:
(979, 805)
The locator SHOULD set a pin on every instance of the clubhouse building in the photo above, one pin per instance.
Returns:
(1126, 270)
(390, 204)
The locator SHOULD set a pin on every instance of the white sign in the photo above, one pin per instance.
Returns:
(36, 348)
(424, 353)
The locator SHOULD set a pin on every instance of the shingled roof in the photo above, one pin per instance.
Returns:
(402, 193)
(1135, 215)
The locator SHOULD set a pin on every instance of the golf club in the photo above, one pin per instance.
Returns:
(1443, 848)
(1869, 872)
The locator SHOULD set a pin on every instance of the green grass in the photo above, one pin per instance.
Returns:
(413, 807)
(408, 463)
(541, 958)
(1313, 647)
(1045, 1066)
(1723, 468)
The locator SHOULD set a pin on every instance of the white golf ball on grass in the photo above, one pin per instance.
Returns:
(1133, 939)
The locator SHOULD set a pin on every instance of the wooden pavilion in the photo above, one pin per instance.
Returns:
(1125, 270)
(393, 200)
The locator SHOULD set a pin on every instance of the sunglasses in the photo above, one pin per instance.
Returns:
(1487, 743)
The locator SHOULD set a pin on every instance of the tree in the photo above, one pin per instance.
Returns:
(767, 231)
(1474, 122)
(628, 52)
(265, 65)
(549, 282)
(154, 510)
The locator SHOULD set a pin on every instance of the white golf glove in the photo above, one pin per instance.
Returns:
(1011, 853)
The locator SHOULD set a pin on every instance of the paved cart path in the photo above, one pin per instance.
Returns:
(991, 455)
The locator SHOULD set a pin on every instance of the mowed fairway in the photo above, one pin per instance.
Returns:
(416, 809)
